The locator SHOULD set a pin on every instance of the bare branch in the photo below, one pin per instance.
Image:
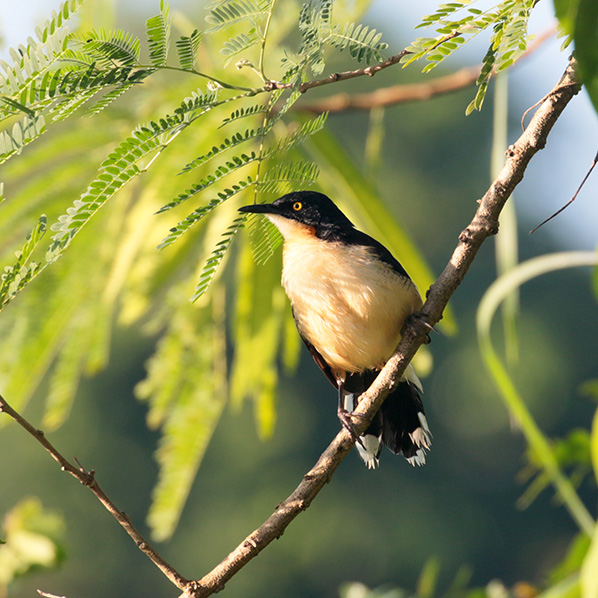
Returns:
(585, 178)
(483, 225)
(396, 94)
(87, 478)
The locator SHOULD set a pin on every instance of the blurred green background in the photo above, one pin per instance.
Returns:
(463, 508)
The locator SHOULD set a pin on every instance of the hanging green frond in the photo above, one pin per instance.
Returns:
(314, 27)
(197, 215)
(218, 174)
(17, 276)
(228, 143)
(259, 314)
(187, 48)
(234, 11)
(300, 135)
(243, 113)
(507, 21)
(240, 43)
(120, 167)
(158, 35)
(363, 43)
(482, 81)
(66, 376)
(191, 410)
(165, 372)
(211, 266)
(288, 176)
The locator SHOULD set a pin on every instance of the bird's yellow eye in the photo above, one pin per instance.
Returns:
(297, 206)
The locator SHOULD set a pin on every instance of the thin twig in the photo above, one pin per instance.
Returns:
(411, 92)
(87, 478)
(572, 199)
(483, 225)
(370, 71)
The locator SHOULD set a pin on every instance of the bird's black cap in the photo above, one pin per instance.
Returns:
(318, 211)
(306, 207)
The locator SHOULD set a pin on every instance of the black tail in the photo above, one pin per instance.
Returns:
(401, 423)
(404, 427)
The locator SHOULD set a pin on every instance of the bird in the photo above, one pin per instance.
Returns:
(350, 299)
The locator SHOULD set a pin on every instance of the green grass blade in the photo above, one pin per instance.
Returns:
(510, 395)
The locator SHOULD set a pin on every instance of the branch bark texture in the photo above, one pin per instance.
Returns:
(483, 225)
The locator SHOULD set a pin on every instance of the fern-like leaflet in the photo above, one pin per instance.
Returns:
(218, 174)
(187, 48)
(362, 43)
(184, 225)
(230, 12)
(508, 40)
(15, 277)
(213, 262)
(158, 35)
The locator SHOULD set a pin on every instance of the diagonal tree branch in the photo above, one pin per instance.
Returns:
(483, 225)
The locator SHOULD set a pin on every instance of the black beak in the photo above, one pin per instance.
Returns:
(261, 208)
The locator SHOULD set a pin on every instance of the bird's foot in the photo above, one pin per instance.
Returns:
(418, 318)
(346, 418)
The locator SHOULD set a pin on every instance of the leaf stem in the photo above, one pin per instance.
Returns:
(263, 42)
(224, 84)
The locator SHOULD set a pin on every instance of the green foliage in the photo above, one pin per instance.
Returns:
(158, 35)
(317, 32)
(362, 42)
(232, 12)
(31, 541)
(52, 77)
(508, 40)
(119, 211)
(187, 48)
(543, 453)
(186, 392)
(585, 33)
(17, 276)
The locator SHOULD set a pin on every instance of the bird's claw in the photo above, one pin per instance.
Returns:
(346, 419)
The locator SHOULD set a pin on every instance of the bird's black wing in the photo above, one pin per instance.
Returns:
(352, 236)
(319, 359)
(356, 237)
